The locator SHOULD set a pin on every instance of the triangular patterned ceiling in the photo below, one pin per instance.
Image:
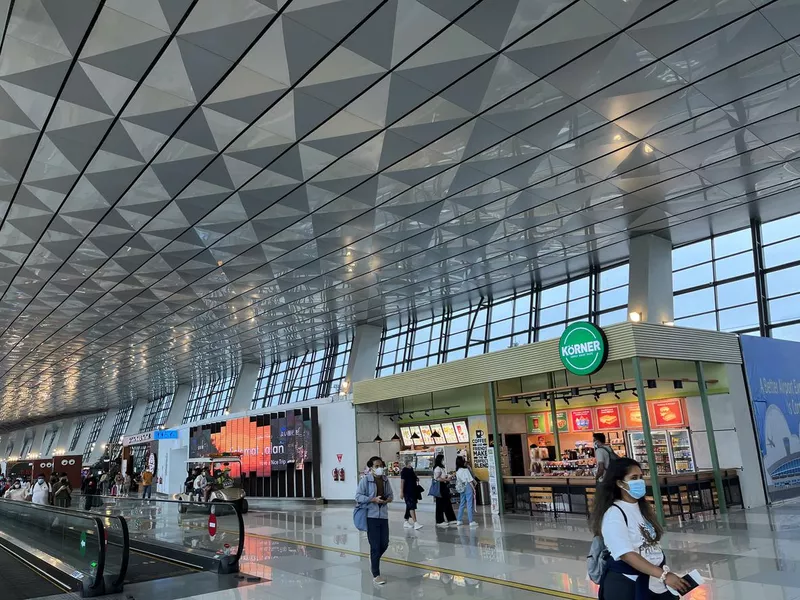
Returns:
(182, 183)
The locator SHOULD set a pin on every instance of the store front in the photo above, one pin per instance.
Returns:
(666, 396)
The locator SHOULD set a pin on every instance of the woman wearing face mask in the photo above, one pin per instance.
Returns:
(15, 492)
(375, 491)
(637, 569)
(40, 491)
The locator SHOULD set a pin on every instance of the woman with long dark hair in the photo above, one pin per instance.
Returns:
(637, 568)
(445, 515)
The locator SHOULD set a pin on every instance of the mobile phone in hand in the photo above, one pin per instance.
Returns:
(694, 579)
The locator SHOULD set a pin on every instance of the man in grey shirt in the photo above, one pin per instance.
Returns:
(603, 453)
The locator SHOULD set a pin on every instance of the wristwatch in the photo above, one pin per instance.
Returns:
(664, 574)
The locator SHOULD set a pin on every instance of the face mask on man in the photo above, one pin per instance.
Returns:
(40, 480)
(378, 471)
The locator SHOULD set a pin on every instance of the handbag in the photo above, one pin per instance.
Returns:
(419, 490)
(436, 489)
(360, 517)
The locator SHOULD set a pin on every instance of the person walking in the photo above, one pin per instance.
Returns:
(147, 484)
(126, 485)
(40, 491)
(375, 491)
(409, 494)
(465, 486)
(89, 490)
(636, 569)
(445, 515)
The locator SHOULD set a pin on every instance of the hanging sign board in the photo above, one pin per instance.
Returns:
(583, 348)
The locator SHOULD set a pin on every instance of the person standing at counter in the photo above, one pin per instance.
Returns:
(603, 453)
(445, 515)
(637, 568)
(465, 485)
(410, 495)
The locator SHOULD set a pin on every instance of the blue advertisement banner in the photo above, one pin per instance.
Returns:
(773, 379)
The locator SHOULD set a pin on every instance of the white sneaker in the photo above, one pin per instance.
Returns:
(379, 580)
(407, 524)
(474, 524)
(453, 523)
(443, 525)
(417, 526)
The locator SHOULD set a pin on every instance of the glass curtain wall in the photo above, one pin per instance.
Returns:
(315, 374)
(716, 286)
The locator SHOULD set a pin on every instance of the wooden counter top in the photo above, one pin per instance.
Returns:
(590, 481)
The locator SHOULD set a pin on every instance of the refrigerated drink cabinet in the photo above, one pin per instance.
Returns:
(661, 450)
(682, 452)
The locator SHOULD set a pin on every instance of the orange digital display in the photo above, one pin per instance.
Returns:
(608, 417)
(633, 416)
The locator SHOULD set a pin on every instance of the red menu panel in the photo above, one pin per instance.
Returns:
(581, 419)
(608, 417)
(667, 413)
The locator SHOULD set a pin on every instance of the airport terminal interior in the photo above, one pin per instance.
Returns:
(288, 287)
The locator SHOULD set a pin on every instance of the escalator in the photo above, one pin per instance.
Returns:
(20, 579)
(149, 567)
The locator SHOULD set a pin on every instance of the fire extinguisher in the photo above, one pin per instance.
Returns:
(341, 474)
(335, 475)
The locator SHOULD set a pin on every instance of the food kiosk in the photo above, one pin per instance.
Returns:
(666, 396)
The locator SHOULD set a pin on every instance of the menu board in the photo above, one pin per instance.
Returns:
(581, 419)
(633, 416)
(667, 413)
(426, 434)
(537, 423)
(608, 417)
(405, 433)
(449, 431)
(414, 429)
(462, 432)
(561, 421)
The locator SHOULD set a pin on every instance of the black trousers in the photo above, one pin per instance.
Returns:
(619, 587)
(378, 537)
(444, 507)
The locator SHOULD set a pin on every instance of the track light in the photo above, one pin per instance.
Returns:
(377, 439)
(447, 411)
(528, 402)
(597, 396)
(436, 435)
(652, 384)
(515, 400)
(414, 436)
(575, 391)
(543, 396)
(427, 413)
(566, 401)
(635, 394)
(411, 416)
(391, 419)
(616, 395)
(395, 438)
(610, 388)
(677, 384)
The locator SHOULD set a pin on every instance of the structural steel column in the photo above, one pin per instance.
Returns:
(496, 436)
(712, 442)
(648, 440)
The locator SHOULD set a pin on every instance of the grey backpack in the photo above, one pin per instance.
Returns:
(599, 555)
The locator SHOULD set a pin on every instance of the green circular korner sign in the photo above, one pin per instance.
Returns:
(583, 348)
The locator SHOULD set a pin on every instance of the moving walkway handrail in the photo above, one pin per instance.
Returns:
(121, 504)
(15, 506)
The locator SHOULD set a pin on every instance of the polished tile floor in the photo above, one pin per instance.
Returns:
(313, 553)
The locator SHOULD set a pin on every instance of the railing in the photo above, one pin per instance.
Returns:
(205, 535)
(72, 543)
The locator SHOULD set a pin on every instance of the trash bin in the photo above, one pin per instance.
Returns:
(482, 497)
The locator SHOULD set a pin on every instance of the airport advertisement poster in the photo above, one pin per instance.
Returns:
(265, 445)
(774, 386)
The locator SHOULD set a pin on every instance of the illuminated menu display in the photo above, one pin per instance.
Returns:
(451, 432)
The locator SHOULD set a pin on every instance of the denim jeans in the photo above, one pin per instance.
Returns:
(378, 536)
(146, 491)
(467, 501)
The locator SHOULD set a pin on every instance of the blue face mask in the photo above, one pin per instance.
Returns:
(637, 488)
